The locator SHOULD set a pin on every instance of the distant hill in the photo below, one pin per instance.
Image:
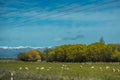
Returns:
(12, 52)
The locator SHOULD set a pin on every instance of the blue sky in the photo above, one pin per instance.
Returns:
(56, 22)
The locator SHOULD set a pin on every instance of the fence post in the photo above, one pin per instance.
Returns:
(12, 76)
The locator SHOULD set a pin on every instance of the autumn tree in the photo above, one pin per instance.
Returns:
(95, 52)
(99, 52)
(68, 53)
(115, 56)
(32, 55)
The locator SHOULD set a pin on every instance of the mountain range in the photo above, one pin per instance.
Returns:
(12, 52)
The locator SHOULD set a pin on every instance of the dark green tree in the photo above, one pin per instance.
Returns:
(22, 56)
(102, 40)
(45, 53)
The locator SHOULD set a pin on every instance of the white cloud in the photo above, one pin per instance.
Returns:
(72, 12)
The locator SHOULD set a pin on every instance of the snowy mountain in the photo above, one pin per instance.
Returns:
(12, 52)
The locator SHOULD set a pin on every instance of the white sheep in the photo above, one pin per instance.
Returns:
(107, 67)
(113, 70)
(20, 68)
(42, 68)
(37, 68)
(92, 67)
(26, 68)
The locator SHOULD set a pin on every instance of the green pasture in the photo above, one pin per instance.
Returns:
(83, 71)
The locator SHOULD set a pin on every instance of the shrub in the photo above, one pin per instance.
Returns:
(32, 55)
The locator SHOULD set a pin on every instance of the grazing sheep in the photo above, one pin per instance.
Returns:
(67, 68)
(100, 68)
(92, 67)
(80, 66)
(62, 67)
(107, 67)
(113, 70)
(20, 68)
(50, 67)
(37, 68)
(42, 68)
(26, 68)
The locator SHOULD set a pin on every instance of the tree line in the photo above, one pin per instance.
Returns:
(95, 52)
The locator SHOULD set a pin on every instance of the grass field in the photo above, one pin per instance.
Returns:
(59, 71)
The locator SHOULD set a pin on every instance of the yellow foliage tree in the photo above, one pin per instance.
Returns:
(33, 55)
